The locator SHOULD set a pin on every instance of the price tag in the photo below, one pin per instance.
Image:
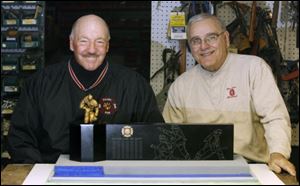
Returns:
(177, 25)
(28, 67)
(11, 22)
(8, 67)
(29, 21)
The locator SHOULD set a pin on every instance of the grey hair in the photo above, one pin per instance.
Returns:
(76, 22)
(204, 16)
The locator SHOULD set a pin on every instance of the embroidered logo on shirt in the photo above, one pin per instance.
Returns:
(231, 92)
(107, 106)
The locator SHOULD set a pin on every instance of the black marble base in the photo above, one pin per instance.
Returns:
(151, 142)
(87, 142)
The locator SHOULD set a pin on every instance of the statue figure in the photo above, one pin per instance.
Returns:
(90, 107)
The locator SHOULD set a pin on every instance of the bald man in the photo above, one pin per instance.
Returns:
(50, 99)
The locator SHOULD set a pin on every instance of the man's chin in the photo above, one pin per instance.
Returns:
(90, 67)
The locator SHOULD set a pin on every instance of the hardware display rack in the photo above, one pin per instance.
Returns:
(22, 53)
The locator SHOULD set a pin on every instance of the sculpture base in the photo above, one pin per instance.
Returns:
(92, 142)
(87, 142)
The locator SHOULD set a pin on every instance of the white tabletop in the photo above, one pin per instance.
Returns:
(40, 174)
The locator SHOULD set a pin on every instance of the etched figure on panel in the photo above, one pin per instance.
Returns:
(171, 144)
(211, 146)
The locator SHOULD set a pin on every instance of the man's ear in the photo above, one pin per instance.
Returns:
(71, 44)
(107, 47)
(227, 38)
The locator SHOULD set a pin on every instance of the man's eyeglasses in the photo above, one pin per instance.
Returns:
(210, 39)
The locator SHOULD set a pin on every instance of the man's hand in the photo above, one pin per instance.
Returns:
(278, 161)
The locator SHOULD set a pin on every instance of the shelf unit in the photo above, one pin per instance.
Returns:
(22, 54)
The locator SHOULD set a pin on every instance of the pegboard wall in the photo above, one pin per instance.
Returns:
(159, 41)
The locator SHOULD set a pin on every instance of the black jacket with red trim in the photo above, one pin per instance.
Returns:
(49, 102)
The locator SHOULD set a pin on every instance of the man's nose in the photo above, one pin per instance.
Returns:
(92, 48)
(204, 45)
